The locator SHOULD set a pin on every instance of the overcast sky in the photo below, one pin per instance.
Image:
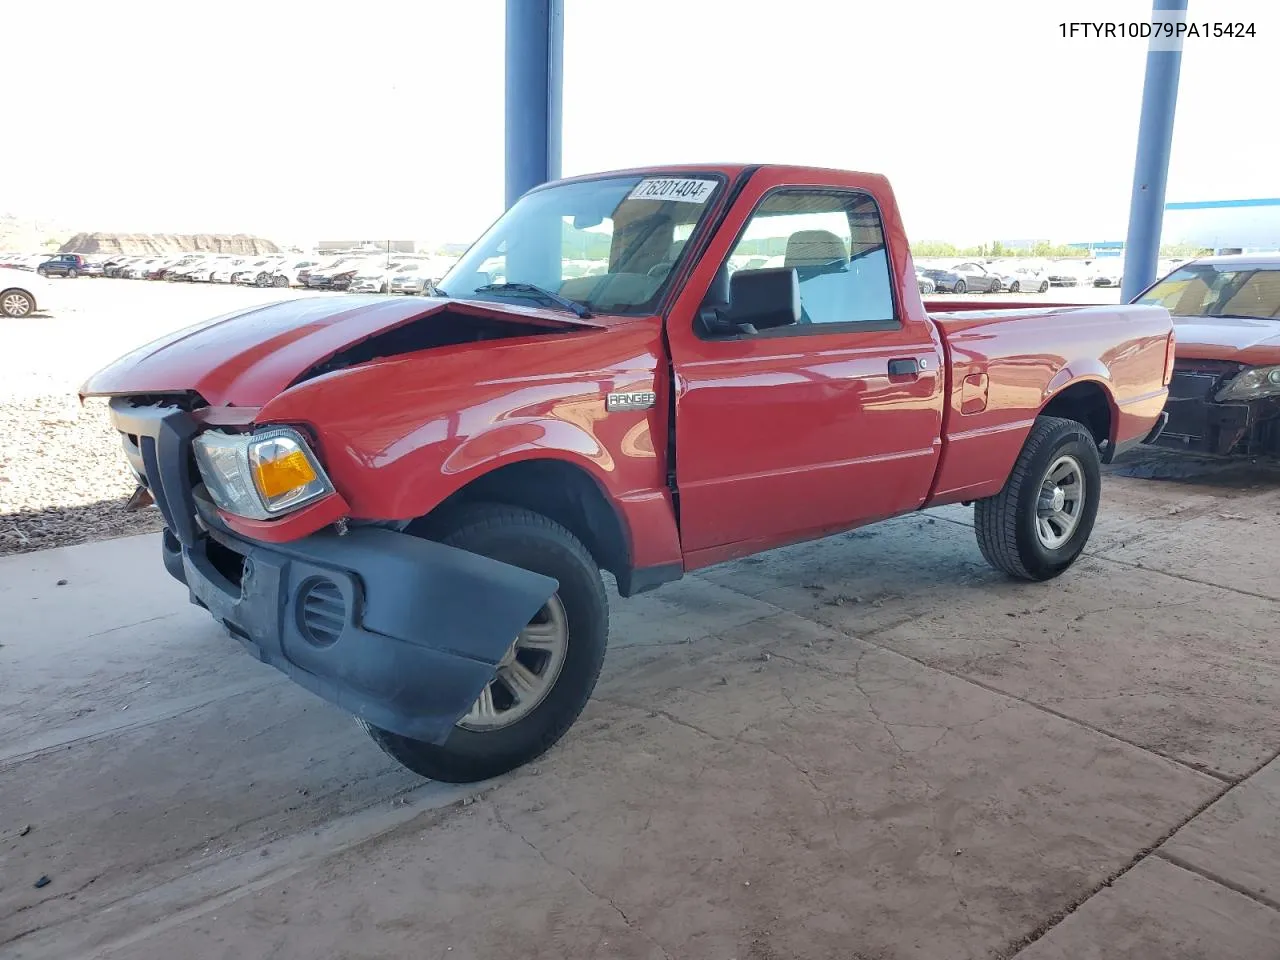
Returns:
(302, 121)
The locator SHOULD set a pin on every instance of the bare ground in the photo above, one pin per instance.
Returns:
(866, 747)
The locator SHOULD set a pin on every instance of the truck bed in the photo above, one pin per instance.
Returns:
(1004, 363)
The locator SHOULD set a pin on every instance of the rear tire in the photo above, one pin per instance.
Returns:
(72, 274)
(534, 542)
(1044, 286)
(1015, 287)
(1033, 529)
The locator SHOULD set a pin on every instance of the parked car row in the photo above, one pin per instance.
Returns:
(395, 273)
(972, 276)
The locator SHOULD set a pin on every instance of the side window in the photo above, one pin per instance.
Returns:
(835, 242)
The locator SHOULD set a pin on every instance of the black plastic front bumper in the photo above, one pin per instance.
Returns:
(1198, 423)
(400, 631)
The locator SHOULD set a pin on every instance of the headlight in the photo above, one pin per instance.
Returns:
(1252, 384)
(260, 475)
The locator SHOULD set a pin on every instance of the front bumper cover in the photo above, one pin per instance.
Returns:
(402, 632)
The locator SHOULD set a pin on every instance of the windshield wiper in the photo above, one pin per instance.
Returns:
(535, 292)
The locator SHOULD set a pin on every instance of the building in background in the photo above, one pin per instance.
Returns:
(1101, 248)
(1224, 226)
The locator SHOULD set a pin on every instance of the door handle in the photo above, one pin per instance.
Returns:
(904, 367)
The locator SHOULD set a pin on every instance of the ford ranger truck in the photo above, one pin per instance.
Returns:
(406, 504)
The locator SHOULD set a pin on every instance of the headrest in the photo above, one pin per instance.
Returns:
(809, 248)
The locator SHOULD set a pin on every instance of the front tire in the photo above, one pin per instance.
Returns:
(553, 664)
(1015, 287)
(960, 287)
(1044, 286)
(16, 304)
(1038, 525)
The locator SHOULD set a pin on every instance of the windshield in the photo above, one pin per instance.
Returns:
(608, 244)
(1219, 290)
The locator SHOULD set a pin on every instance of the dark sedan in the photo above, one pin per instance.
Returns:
(943, 280)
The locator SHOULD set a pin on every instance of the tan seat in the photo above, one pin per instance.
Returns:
(811, 248)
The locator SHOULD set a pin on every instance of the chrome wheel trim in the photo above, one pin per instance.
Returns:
(526, 674)
(1061, 502)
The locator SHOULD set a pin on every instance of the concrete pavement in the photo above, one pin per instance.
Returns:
(872, 746)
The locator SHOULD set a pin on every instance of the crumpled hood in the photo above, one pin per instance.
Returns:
(1256, 342)
(247, 357)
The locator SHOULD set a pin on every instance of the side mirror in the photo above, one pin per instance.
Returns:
(765, 299)
(751, 301)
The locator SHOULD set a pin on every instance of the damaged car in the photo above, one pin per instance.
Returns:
(1224, 398)
(407, 504)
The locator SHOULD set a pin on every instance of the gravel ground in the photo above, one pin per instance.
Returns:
(63, 477)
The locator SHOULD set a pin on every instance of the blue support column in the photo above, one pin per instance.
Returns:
(535, 68)
(1151, 166)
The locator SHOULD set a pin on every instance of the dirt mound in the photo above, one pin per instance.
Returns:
(160, 243)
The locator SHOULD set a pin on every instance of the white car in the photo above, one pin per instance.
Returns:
(374, 279)
(138, 269)
(204, 273)
(22, 293)
(1021, 277)
(1107, 271)
(338, 274)
(227, 269)
(287, 274)
(257, 273)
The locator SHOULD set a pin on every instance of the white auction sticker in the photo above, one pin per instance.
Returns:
(662, 188)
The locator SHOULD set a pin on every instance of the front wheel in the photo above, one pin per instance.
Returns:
(1038, 525)
(1015, 287)
(547, 675)
(16, 303)
(1044, 286)
(960, 287)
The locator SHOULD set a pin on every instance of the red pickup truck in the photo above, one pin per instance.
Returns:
(406, 504)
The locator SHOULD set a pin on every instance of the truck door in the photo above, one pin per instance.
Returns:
(797, 431)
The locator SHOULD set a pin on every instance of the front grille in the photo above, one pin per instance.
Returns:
(322, 612)
(156, 436)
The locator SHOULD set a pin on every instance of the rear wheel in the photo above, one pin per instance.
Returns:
(72, 274)
(1044, 286)
(1038, 525)
(547, 675)
(1015, 287)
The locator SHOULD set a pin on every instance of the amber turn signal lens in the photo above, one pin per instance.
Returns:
(278, 477)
